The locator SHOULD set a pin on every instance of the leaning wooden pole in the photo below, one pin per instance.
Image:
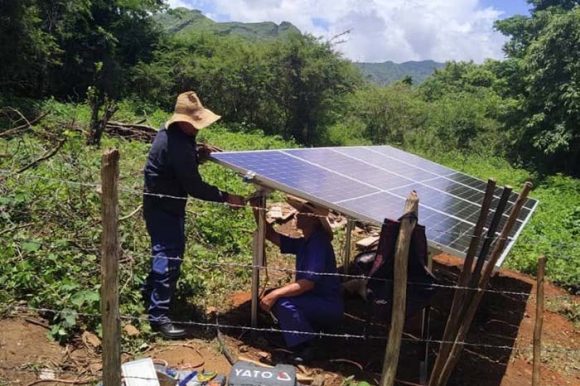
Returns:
(539, 321)
(495, 221)
(484, 281)
(111, 321)
(464, 278)
(407, 226)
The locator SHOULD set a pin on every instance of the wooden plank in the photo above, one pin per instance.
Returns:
(392, 351)
(539, 321)
(367, 242)
(111, 321)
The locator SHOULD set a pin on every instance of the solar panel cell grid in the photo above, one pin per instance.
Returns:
(371, 183)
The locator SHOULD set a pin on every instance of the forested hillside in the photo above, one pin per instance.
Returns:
(71, 66)
(389, 72)
(183, 21)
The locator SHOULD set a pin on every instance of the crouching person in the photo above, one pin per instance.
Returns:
(313, 301)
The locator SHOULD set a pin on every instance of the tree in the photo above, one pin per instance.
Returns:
(310, 78)
(288, 86)
(26, 48)
(544, 52)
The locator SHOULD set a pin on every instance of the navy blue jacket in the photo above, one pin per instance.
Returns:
(172, 169)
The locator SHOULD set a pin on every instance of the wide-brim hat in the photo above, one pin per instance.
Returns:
(303, 206)
(188, 108)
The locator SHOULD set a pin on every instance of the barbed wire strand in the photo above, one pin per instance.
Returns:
(347, 336)
(265, 329)
(331, 274)
(430, 229)
(185, 198)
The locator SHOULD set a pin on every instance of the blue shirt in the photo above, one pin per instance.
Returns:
(172, 169)
(315, 255)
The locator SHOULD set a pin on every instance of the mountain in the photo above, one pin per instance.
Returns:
(183, 20)
(389, 72)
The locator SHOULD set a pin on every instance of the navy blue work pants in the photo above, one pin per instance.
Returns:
(306, 313)
(167, 247)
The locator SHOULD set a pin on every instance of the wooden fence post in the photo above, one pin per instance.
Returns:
(259, 258)
(392, 351)
(539, 321)
(111, 321)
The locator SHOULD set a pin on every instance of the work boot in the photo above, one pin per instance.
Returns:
(169, 330)
(304, 354)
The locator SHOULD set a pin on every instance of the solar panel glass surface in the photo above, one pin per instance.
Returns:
(371, 183)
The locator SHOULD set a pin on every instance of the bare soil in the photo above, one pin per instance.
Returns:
(503, 320)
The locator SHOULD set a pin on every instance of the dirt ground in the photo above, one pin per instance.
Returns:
(27, 355)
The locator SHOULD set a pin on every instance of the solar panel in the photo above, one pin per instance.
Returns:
(371, 183)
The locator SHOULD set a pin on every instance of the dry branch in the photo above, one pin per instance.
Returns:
(27, 125)
(46, 156)
(67, 381)
(131, 130)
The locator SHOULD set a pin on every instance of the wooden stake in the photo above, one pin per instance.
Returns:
(472, 309)
(347, 245)
(539, 321)
(109, 267)
(498, 215)
(464, 278)
(259, 241)
(392, 351)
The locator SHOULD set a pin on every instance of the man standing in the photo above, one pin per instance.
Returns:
(171, 174)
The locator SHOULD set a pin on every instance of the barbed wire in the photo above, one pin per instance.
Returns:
(223, 204)
(330, 274)
(218, 325)
(167, 196)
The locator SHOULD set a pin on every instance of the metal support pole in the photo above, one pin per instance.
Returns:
(258, 261)
(347, 244)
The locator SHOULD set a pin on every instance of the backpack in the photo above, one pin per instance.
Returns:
(380, 267)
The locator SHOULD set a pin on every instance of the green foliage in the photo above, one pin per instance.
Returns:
(388, 72)
(384, 114)
(288, 87)
(51, 47)
(544, 49)
(26, 49)
(50, 230)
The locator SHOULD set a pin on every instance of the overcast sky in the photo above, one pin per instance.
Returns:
(397, 30)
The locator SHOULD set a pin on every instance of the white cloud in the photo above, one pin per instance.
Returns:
(397, 30)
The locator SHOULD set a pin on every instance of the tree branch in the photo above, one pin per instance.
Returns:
(43, 158)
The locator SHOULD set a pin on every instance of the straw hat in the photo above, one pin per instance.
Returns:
(188, 108)
(304, 206)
